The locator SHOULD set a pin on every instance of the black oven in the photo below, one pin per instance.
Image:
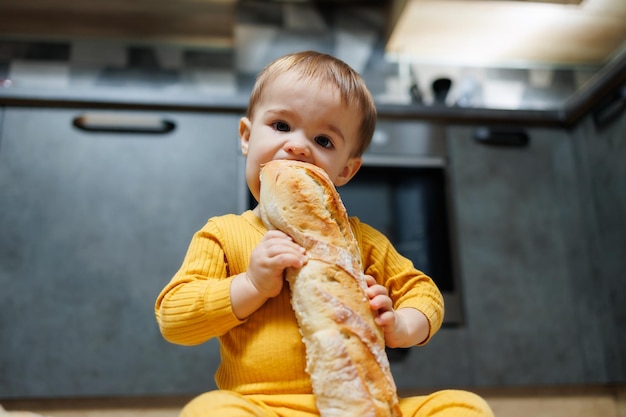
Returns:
(402, 190)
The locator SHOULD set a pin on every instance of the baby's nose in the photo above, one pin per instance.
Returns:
(297, 145)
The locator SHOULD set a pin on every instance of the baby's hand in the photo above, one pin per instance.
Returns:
(269, 259)
(392, 323)
(380, 303)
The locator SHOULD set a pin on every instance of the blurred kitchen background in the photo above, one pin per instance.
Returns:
(498, 167)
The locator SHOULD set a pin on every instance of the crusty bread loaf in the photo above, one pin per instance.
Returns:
(345, 349)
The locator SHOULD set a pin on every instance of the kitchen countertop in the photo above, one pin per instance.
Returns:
(140, 99)
(147, 99)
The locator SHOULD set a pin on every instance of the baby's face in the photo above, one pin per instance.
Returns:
(303, 120)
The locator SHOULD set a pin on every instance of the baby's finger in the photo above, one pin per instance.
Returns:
(377, 290)
(385, 319)
(286, 259)
(381, 303)
(369, 280)
(279, 242)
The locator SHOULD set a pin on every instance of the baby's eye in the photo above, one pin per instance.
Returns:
(281, 126)
(324, 142)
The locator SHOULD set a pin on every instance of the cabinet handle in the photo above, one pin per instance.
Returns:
(117, 123)
(501, 137)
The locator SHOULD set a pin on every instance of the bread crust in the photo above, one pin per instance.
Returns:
(345, 349)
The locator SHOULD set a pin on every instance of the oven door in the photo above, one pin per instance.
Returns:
(409, 205)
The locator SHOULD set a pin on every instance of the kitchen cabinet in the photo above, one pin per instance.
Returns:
(511, 203)
(539, 233)
(93, 225)
(541, 240)
(513, 269)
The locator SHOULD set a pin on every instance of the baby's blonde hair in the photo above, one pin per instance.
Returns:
(327, 70)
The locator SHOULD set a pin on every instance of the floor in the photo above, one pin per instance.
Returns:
(558, 402)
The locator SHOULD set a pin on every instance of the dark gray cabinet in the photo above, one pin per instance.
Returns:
(541, 232)
(540, 237)
(92, 225)
(517, 300)
(520, 310)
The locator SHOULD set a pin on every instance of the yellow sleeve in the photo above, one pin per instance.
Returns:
(195, 306)
(407, 286)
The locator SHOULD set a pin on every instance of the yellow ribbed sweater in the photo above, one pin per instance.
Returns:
(264, 354)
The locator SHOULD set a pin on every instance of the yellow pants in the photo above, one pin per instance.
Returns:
(448, 403)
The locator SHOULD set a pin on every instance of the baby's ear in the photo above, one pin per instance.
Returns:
(352, 167)
(244, 135)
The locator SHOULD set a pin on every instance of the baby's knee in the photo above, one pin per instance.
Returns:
(472, 403)
(221, 403)
(446, 403)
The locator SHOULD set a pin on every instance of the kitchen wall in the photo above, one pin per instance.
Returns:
(539, 229)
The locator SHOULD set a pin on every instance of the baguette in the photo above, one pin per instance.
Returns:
(345, 349)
